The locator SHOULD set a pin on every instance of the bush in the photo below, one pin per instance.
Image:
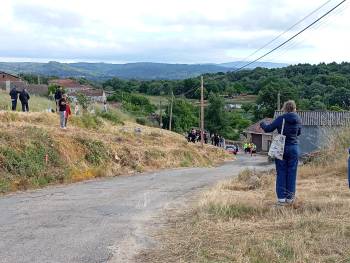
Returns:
(88, 121)
(29, 160)
(141, 120)
(97, 153)
(110, 116)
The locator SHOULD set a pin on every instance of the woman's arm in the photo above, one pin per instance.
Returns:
(271, 127)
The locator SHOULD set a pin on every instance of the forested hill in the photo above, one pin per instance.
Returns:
(314, 87)
(104, 71)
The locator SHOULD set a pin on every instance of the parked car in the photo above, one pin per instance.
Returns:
(233, 149)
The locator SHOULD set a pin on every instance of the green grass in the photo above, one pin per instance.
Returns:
(36, 103)
(25, 159)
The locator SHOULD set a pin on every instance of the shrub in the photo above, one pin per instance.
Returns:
(110, 116)
(141, 120)
(97, 152)
(28, 160)
(88, 121)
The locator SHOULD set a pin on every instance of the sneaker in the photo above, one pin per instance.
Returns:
(281, 203)
(290, 201)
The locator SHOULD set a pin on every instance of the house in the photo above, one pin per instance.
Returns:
(318, 127)
(70, 85)
(8, 81)
(256, 135)
(94, 95)
(37, 89)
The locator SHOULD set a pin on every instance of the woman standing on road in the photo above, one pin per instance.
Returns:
(287, 168)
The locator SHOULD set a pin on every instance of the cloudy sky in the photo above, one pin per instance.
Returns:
(174, 31)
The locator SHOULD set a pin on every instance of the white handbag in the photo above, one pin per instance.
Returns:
(277, 146)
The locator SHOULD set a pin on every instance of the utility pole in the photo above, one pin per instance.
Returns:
(160, 114)
(171, 110)
(202, 112)
(279, 101)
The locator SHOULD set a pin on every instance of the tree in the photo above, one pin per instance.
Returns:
(185, 116)
(84, 101)
(215, 114)
(339, 97)
(267, 97)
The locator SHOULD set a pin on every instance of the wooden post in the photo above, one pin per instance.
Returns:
(202, 112)
(279, 101)
(160, 114)
(171, 110)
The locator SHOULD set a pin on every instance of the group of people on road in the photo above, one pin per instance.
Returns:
(194, 135)
(217, 140)
(23, 96)
(250, 148)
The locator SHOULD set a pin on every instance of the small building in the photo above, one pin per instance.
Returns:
(8, 81)
(94, 95)
(256, 135)
(38, 89)
(8, 77)
(70, 85)
(318, 127)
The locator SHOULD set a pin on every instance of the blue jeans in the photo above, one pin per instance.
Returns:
(287, 172)
(62, 119)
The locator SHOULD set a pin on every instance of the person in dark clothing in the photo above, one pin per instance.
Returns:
(24, 98)
(216, 140)
(58, 96)
(193, 136)
(14, 96)
(205, 138)
(62, 106)
(287, 168)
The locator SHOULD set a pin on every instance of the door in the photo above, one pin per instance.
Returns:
(257, 140)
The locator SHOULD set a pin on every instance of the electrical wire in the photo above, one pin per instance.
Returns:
(287, 30)
(291, 38)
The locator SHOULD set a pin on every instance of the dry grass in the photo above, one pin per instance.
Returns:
(237, 221)
(91, 147)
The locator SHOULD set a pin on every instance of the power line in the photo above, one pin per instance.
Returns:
(297, 42)
(287, 30)
(291, 38)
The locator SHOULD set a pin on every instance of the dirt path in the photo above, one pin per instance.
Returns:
(99, 221)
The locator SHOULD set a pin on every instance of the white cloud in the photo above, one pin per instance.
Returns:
(190, 31)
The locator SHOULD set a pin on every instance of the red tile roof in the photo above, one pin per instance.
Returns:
(69, 83)
(88, 92)
(255, 128)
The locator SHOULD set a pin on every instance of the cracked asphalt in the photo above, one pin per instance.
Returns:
(104, 220)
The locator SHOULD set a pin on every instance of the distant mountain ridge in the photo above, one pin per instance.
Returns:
(140, 70)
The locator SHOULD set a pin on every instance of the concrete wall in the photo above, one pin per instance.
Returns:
(314, 138)
(265, 142)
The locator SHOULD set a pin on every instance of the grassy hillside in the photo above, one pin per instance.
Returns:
(34, 152)
(36, 103)
(237, 221)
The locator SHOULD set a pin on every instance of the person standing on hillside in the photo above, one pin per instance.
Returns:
(67, 113)
(62, 106)
(105, 108)
(14, 97)
(287, 168)
(58, 96)
(24, 98)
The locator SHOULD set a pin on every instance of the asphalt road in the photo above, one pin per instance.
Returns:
(100, 221)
